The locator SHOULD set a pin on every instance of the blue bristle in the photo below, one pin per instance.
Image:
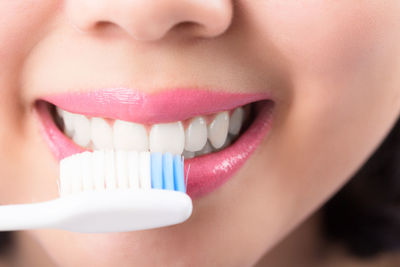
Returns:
(178, 174)
(156, 171)
(168, 171)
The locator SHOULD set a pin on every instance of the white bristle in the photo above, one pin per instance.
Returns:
(121, 164)
(145, 174)
(111, 181)
(75, 172)
(98, 170)
(86, 170)
(105, 170)
(133, 172)
(65, 181)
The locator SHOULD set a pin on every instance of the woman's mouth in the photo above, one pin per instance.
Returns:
(216, 132)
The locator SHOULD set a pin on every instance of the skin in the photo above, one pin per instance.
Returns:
(332, 67)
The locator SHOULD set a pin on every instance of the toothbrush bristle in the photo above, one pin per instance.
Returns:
(168, 172)
(103, 170)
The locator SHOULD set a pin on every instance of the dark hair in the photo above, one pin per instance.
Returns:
(365, 215)
(5, 242)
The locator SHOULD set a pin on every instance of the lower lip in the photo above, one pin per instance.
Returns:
(204, 174)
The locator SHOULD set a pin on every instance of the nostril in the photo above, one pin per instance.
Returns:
(106, 26)
(102, 28)
(151, 20)
(190, 28)
(186, 25)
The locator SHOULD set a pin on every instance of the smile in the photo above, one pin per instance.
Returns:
(216, 132)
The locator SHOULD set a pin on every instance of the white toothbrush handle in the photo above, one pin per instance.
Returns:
(98, 212)
(27, 216)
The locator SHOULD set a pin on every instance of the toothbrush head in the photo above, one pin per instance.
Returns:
(114, 191)
(109, 191)
(108, 170)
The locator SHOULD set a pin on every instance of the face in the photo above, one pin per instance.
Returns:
(329, 68)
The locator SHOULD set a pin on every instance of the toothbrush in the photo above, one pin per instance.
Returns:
(109, 191)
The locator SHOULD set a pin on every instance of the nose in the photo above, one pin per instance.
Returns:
(150, 20)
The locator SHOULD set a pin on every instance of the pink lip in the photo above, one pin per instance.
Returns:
(129, 105)
(205, 173)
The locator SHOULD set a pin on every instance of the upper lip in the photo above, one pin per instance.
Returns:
(136, 106)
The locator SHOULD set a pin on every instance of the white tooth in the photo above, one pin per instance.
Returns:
(130, 136)
(68, 119)
(81, 129)
(236, 121)
(206, 149)
(167, 137)
(218, 129)
(188, 154)
(60, 112)
(101, 134)
(196, 135)
(228, 141)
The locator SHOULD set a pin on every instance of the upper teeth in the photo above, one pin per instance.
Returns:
(167, 137)
(196, 135)
(98, 133)
(218, 129)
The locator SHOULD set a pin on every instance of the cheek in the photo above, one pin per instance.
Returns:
(21, 26)
(342, 96)
(325, 37)
(340, 58)
(22, 23)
